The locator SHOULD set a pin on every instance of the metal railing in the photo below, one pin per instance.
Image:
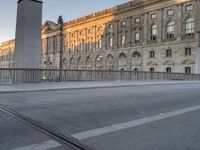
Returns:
(14, 76)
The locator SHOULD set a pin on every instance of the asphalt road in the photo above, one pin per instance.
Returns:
(164, 117)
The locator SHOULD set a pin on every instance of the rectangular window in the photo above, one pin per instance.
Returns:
(137, 37)
(170, 35)
(137, 20)
(152, 70)
(168, 53)
(189, 7)
(153, 37)
(170, 12)
(99, 44)
(123, 39)
(110, 26)
(169, 69)
(90, 45)
(152, 54)
(188, 51)
(153, 16)
(111, 42)
(123, 23)
(188, 70)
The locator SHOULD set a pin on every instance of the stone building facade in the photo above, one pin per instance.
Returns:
(140, 35)
(6, 53)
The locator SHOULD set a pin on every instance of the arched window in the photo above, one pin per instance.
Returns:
(72, 60)
(122, 55)
(170, 30)
(65, 61)
(88, 59)
(136, 54)
(110, 56)
(154, 32)
(99, 58)
(189, 26)
(79, 59)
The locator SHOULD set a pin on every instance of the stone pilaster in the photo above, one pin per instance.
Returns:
(105, 36)
(160, 25)
(129, 29)
(116, 28)
(179, 22)
(197, 17)
(146, 29)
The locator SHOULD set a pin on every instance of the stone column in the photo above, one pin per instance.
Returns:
(198, 56)
(27, 52)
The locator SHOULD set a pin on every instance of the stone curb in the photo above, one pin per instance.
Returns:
(94, 87)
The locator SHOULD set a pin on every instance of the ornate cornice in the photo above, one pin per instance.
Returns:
(115, 10)
(128, 6)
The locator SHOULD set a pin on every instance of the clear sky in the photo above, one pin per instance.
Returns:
(70, 9)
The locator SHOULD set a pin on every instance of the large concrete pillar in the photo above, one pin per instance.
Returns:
(198, 55)
(27, 52)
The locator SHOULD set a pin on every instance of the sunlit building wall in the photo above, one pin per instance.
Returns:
(140, 35)
(6, 54)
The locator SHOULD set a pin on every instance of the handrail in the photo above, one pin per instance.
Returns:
(29, 75)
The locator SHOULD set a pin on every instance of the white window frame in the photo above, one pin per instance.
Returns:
(153, 16)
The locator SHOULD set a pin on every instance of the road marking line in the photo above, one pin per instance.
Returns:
(130, 124)
(42, 146)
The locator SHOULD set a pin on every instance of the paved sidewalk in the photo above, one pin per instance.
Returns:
(83, 85)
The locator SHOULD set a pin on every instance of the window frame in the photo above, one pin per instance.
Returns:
(153, 16)
(123, 23)
(137, 20)
(154, 32)
(137, 37)
(110, 26)
(152, 54)
(123, 39)
(110, 42)
(152, 69)
(188, 70)
(169, 53)
(188, 51)
(171, 29)
(189, 26)
(189, 7)
(170, 12)
(169, 69)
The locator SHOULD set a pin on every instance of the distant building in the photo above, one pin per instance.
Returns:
(6, 53)
(140, 35)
